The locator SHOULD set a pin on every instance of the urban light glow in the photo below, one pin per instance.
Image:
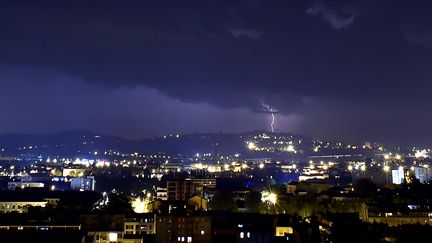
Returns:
(421, 154)
(251, 146)
(139, 204)
(269, 197)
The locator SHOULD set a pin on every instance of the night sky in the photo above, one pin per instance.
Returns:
(356, 70)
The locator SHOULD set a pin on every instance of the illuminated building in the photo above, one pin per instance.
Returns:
(398, 176)
(184, 189)
(283, 231)
(161, 193)
(423, 174)
(188, 229)
(145, 224)
(7, 206)
(310, 186)
(83, 184)
(104, 228)
(73, 172)
(14, 185)
(397, 217)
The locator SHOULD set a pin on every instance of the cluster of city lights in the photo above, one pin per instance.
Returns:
(269, 197)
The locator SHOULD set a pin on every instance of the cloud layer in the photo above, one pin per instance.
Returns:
(358, 70)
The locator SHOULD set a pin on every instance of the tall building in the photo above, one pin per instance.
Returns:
(184, 189)
(398, 176)
(422, 174)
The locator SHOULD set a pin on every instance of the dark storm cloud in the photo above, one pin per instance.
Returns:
(55, 102)
(324, 62)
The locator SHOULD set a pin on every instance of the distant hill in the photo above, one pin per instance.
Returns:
(86, 143)
(66, 143)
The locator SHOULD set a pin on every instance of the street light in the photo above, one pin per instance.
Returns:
(386, 169)
(269, 197)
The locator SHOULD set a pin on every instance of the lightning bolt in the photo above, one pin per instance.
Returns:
(272, 122)
(272, 111)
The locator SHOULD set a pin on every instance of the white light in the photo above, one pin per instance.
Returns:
(261, 166)
(112, 236)
(290, 148)
(251, 146)
(421, 154)
(139, 205)
(269, 197)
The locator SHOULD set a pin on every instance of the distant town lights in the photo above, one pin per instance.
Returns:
(421, 154)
